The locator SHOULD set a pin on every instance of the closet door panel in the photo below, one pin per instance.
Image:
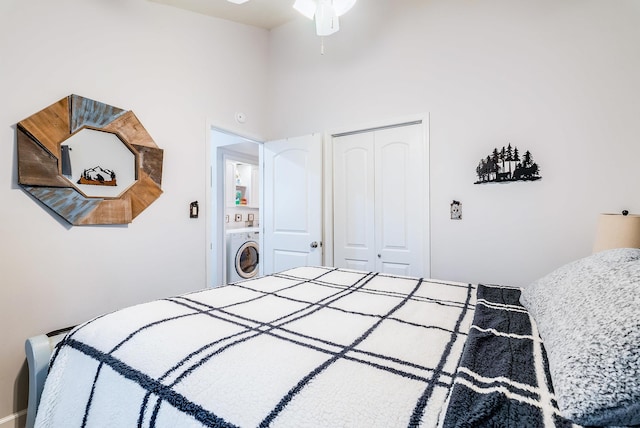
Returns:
(393, 200)
(354, 202)
(399, 192)
(379, 192)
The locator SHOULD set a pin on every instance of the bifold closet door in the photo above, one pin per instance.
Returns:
(354, 201)
(379, 194)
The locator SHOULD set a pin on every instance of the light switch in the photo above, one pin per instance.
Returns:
(238, 217)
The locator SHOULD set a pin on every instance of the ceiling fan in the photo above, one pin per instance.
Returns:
(324, 12)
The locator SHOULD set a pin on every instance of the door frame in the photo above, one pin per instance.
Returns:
(328, 181)
(215, 238)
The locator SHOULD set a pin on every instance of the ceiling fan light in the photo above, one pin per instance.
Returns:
(306, 7)
(326, 19)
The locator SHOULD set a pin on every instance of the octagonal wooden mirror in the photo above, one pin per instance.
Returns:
(89, 162)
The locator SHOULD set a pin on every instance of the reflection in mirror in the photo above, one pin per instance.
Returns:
(100, 164)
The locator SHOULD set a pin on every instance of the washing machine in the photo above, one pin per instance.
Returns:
(243, 254)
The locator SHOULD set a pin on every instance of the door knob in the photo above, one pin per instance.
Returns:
(379, 255)
(314, 244)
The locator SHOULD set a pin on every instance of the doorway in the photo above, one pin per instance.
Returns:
(235, 200)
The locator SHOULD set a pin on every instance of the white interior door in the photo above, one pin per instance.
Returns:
(353, 199)
(292, 215)
(399, 192)
(379, 200)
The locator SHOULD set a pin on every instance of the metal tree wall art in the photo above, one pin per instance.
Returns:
(507, 165)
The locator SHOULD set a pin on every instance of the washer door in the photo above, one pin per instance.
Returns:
(247, 259)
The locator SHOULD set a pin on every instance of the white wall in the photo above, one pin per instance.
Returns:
(559, 78)
(177, 71)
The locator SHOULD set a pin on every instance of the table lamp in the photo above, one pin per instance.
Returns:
(617, 231)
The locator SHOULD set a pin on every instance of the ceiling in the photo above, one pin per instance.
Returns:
(266, 14)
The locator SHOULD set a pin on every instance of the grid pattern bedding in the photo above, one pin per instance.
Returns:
(503, 378)
(307, 347)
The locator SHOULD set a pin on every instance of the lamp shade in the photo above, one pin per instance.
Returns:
(617, 231)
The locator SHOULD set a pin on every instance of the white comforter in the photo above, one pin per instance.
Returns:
(308, 347)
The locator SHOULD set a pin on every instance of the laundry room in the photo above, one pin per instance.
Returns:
(242, 194)
(241, 211)
(235, 207)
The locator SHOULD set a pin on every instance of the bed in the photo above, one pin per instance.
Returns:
(328, 347)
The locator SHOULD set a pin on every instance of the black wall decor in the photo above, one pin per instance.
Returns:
(507, 165)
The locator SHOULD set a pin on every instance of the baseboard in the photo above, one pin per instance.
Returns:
(15, 420)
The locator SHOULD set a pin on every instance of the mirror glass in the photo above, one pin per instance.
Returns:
(98, 164)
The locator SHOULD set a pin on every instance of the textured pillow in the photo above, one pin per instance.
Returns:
(588, 314)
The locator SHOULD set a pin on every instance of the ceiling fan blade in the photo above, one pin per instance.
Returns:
(306, 7)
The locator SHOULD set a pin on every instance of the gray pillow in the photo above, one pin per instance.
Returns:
(588, 314)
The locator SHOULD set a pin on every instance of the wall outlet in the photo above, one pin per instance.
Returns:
(238, 217)
(456, 210)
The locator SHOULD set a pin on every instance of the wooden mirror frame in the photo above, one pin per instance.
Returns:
(39, 141)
